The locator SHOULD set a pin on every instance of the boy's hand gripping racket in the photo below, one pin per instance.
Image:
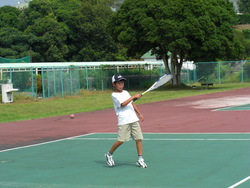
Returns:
(160, 82)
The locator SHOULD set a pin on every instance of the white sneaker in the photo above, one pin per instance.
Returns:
(141, 163)
(109, 159)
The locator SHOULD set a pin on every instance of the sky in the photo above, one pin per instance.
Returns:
(10, 2)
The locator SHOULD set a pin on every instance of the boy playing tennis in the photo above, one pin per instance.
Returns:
(128, 124)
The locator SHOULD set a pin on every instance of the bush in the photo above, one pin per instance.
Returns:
(244, 19)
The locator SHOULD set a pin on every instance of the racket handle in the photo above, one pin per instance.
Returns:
(137, 98)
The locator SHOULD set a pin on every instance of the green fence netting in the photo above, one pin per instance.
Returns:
(70, 80)
(223, 71)
(137, 78)
(25, 81)
(21, 60)
(64, 81)
(61, 82)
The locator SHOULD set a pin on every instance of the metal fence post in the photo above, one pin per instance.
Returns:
(79, 81)
(71, 81)
(48, 82)
(43, 84)
(54, 71)
(102, 78)
(62, 85)
(195, 73)
(242, 72)
(87, 78)
(32, 83)
(11, 75)
(219, 81)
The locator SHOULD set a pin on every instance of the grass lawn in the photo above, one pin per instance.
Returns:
(25, 108)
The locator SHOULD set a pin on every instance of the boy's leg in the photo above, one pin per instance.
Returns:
(115, 146)
(139, 147)
(140, 162)
(123, 135)
(108, 155)
(137, 135)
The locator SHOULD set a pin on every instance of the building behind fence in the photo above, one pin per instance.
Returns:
(63, 79)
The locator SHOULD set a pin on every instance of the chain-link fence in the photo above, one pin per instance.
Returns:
(223, 71)
(24, 80)
(62, 81)
(138, 76)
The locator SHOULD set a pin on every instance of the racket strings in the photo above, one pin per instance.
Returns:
(163, 80)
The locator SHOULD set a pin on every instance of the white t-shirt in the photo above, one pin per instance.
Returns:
(126, 114)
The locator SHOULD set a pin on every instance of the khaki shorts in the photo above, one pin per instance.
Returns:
(129, 130)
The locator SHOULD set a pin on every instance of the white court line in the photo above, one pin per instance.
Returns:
(22, 147)
(187, 133)
(76, 137)
(170, 139)
(31, 185)
(240, 182)
(177, 139)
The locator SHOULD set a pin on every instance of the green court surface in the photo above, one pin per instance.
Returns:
(174, 161)
(235, 108)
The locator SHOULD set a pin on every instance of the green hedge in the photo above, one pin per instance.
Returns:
(244, 19)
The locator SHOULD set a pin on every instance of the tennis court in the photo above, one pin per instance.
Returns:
(187, 145)
(174, 160)
(236, 108)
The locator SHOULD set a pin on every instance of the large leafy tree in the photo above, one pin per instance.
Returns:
(244, 36)
(72, 30)
(14, 43)
(89, 39)
(188, 30)
(59, 30)
(50, 39)
(9, 16)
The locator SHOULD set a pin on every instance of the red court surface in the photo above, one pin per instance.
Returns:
(184, 115)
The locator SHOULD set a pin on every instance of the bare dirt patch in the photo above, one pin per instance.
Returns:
(242, 26)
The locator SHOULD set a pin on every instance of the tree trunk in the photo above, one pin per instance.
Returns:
(167, 68)
(173, 69)
(176, 65)
(165, 60)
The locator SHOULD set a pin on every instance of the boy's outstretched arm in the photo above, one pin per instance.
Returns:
(125, 103)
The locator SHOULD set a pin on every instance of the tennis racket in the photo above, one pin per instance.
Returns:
(160, 82)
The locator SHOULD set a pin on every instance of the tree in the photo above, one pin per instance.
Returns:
(14, 43)
(50, 40)
(244, 6)
(188, 30)
(9, 16)
(89, 39)
(72, 30)
(244, 36)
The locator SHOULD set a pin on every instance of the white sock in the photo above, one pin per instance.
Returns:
(110, 153)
